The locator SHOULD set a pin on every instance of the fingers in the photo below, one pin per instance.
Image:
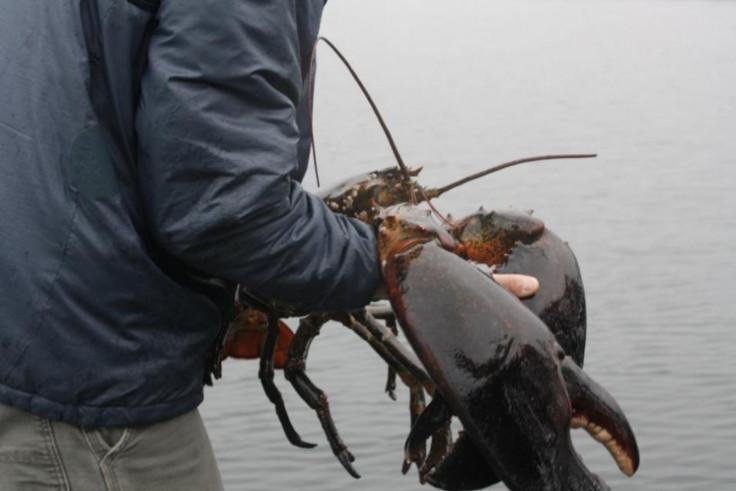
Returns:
(520, 285)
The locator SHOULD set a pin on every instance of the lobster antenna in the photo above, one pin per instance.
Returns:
(397, 155)
(434, 193)
(310, 107)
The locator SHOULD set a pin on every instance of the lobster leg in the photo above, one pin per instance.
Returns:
(385, 344)
(387, 315)
(416, 402)
(391, 378)
(309, 328)
(434, 419)
(396, 356)
(266, 372)
(441, 444)
(416, 409)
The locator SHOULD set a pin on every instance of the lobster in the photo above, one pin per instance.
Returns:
(510, 241)
(520, 244)
(360, 197)
(484, 238)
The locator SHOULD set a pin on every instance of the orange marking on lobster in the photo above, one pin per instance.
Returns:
(247, 334)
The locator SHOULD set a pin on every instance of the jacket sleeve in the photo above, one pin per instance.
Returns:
(218, 137)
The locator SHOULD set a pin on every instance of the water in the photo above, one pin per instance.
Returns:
(649, 85)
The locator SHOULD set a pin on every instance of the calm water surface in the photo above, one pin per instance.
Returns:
(650, 86)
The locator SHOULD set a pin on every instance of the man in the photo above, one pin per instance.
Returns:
(147, 145)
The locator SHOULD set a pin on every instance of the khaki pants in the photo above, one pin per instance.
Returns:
(38, 454)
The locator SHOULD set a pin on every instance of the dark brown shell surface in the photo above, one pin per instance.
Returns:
(494, 362)
(358, 196)
(489, 237)
(516, 242)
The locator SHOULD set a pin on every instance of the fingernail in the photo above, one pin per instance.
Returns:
(530, 285)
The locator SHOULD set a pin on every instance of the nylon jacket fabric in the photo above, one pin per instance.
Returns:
(136, 135)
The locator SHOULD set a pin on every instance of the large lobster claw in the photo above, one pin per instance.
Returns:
(497, 366)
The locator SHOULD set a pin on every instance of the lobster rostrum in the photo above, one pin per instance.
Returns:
(496, 366)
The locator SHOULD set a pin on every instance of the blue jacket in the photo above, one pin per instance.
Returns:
(141, 141)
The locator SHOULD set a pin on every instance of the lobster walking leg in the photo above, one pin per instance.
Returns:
(309, 328)
(266, 375)
(391, 350)
(416, 402)
(391, 378)
(382, 341)
(441, 444)
(417, 406)
(432, 419)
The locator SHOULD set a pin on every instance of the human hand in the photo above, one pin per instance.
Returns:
(521, 285)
